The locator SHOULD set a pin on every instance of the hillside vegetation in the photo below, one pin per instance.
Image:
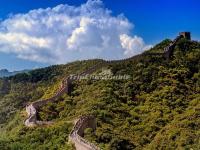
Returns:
(157, 108)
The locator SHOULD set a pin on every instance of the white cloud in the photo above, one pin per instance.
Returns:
(133, 45)
(66, 33)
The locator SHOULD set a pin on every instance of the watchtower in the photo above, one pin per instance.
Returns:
(185, 35)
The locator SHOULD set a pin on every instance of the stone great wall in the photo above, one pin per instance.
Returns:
(77, 134)
(82, 123)
(168, 51)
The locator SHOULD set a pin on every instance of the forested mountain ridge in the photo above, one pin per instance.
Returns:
(157, 108)
(6, 73)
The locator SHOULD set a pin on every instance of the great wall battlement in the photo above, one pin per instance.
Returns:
(79, 127)
(64, 88)
(76, 135)
(32, 108)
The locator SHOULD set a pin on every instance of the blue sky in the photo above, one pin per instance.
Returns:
(153, 21)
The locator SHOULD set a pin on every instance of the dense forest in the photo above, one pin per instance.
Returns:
(158, 107)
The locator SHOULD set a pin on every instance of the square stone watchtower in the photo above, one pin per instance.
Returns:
(185, 35)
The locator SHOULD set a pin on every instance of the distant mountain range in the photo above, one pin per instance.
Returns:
(6, 73)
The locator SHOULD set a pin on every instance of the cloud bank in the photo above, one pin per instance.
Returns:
(67, 33)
